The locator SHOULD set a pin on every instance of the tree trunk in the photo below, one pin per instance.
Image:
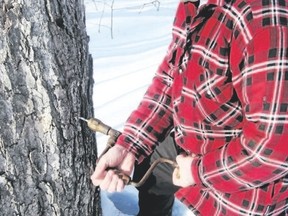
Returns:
(46, 154)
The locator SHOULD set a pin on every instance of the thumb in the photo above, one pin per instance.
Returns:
(100, 172)
(179, 159)
(186, 178)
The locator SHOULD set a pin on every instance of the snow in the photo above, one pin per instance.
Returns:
(128, 40)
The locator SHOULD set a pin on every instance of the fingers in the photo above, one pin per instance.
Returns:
(182, 176)
(112, 182)
(100, 172)
(176, 177)
(108, 180)
(180, 158)
(177, 180)
(105, 177)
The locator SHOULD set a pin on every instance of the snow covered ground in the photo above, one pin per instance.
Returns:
(128, 40)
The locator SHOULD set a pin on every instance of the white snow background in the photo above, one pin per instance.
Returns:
(128, 40)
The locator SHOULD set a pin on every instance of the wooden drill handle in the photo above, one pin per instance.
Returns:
(98, 126)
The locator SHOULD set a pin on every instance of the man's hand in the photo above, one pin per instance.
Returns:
(117, 157)
(183, 176)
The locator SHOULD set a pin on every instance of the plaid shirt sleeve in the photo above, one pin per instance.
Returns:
(152, 120)
(260, 155)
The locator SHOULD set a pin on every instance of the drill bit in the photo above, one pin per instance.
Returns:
(83, 119)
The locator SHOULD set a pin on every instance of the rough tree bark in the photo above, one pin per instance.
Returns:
(46, 154)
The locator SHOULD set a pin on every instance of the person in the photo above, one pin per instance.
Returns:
(222, 91)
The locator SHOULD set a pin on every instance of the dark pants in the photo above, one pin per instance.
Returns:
(156, 196)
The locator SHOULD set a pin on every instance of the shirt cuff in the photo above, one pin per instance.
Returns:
(195, 171)
(123, 141)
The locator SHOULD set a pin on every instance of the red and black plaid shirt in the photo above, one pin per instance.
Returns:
(223, 88)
